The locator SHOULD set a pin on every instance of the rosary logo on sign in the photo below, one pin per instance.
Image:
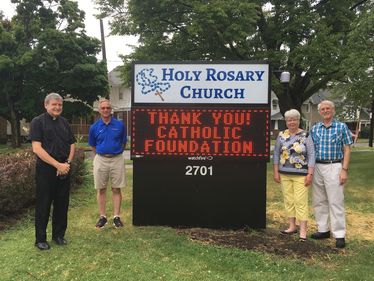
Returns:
(148, 81)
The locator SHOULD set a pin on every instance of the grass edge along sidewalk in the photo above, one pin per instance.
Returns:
(160, 253)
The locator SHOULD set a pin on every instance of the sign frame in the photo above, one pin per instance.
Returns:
(195, 190)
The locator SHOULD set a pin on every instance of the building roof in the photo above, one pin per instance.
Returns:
(115, 78)
(277, 116)
(319, 96)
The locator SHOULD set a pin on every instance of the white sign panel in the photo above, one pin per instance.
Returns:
(201, 83)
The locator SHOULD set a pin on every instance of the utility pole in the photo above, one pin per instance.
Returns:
(103, 50)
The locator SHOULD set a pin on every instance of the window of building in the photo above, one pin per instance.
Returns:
(275, 104)
(306, 107)
(120, 95)
(119, 116)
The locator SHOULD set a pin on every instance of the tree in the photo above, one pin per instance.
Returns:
(303, 37)
(356, 88)
(44, 48)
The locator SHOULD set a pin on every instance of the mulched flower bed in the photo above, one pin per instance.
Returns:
(268, 241)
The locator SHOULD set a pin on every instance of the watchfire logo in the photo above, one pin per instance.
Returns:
(197, 158)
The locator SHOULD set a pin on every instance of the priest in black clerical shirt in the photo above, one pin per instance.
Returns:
(54, 144)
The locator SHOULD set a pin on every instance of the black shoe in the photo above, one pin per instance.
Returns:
(102, 222)
(117, 222)
(60, 241)
(302, 239)
(42, 246)
(283, 232)
(321, 235)
(340, 243)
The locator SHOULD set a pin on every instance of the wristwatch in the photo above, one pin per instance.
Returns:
(68, 161)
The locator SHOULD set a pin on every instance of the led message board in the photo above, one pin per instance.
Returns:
(200, 132)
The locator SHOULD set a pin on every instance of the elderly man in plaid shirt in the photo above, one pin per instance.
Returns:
(332, 140)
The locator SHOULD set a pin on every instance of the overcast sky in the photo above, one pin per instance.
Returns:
(115, 45)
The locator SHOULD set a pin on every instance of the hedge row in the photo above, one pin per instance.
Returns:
(17, 179)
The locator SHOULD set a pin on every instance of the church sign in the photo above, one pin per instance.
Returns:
(200, 143)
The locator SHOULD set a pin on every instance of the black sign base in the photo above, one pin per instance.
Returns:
(223, 194)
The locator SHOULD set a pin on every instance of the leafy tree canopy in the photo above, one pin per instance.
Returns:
(302, 36)
(358, 82)
(44, 48)
(355, 88)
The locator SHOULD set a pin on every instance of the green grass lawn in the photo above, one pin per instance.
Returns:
(362, 140)
(160, 253)
(360, 188)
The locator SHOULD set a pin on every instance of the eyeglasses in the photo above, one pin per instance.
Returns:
(103, 108)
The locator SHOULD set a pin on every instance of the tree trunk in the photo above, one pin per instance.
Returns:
(287, 101)
(15, 125)
(16, 134)
(371, 124)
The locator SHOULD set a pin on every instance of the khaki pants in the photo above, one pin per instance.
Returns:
(105, 169)
(295, 195)
(328, 199)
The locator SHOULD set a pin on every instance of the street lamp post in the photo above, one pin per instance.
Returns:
(284, 78)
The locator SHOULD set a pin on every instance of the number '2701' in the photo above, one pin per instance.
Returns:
(199, 171)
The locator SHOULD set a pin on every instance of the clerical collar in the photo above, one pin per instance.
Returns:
(52, 117)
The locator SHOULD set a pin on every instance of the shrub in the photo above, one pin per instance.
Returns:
(77, 168)
(17, 179)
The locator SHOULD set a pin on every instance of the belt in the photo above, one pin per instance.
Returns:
(109, 155)
(328, 161)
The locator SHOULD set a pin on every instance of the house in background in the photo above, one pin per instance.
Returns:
(309, 109)
(309, 112)
(356, 122)
(120, 99)
(277, 120)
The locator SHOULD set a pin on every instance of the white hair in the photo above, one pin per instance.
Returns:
(292, 113)
(52, 96)
(327, 102)
(104, 100)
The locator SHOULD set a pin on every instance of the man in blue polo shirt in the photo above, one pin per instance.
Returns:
(332, 140)
(108, 137)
